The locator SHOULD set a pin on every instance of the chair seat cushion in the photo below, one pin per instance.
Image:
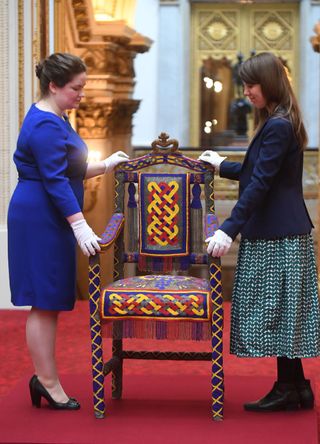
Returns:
(157, 297)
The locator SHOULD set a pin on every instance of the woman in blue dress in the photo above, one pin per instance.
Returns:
(275, 306)
(45, 217)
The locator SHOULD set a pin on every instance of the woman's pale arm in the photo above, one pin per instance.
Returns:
(74, 217)
(95, 169)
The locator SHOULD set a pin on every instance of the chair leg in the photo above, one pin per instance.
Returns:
(96, 338)
(217, 346)
(117, 373)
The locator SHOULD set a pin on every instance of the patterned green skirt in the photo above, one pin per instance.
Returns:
(275, 304)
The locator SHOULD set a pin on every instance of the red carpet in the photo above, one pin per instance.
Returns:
(162, 409)
(181, 409)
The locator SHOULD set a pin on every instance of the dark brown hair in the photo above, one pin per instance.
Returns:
(268, 71)
(59, 68)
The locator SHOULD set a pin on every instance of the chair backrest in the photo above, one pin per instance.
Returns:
(168, 202)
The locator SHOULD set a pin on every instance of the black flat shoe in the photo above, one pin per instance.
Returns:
(281, 397)
(37, 391)
(305, 393)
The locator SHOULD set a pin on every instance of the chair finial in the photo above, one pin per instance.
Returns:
(163, 144)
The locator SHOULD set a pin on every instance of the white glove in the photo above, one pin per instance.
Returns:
(87, 240)
(112, 161)
(219, 244)
(212, 157)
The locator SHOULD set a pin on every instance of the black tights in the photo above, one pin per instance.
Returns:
(290, 370)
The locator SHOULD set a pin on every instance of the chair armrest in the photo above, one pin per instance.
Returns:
(211, 225)
(111, 231)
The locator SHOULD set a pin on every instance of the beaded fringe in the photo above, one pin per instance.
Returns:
(153, 329)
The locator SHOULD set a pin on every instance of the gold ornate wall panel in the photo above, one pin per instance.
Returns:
(277, 30)
(221, 30)
(43, 28)
(33, 41)
(5, 157)
(40, 38)
(217, 32)
(21, 59)
(315, 42)
(59, 25)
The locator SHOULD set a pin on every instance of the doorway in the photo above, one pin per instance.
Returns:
(222, 36)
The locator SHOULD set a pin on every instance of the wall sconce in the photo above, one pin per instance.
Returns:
(208, 128)
(104, 11)
(215, 84)
(91, 186)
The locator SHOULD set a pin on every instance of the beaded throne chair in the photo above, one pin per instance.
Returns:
(159, 224)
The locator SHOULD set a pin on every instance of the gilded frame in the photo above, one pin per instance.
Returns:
(33, 43)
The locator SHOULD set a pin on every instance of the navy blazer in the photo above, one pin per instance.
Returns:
(271, 203)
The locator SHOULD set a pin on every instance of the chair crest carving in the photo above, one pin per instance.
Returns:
(162, 144)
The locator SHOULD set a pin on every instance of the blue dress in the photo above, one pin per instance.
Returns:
(51, 160)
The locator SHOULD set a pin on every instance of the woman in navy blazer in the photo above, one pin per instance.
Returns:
(275, 306)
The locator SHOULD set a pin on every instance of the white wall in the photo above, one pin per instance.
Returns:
(162, 74)
(309, 72)
(145, 119)
(173, 71)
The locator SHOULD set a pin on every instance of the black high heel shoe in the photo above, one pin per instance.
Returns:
(37, 391)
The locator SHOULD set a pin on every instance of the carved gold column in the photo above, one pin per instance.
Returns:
(104, 119)
(315, 41)
(59, 25)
